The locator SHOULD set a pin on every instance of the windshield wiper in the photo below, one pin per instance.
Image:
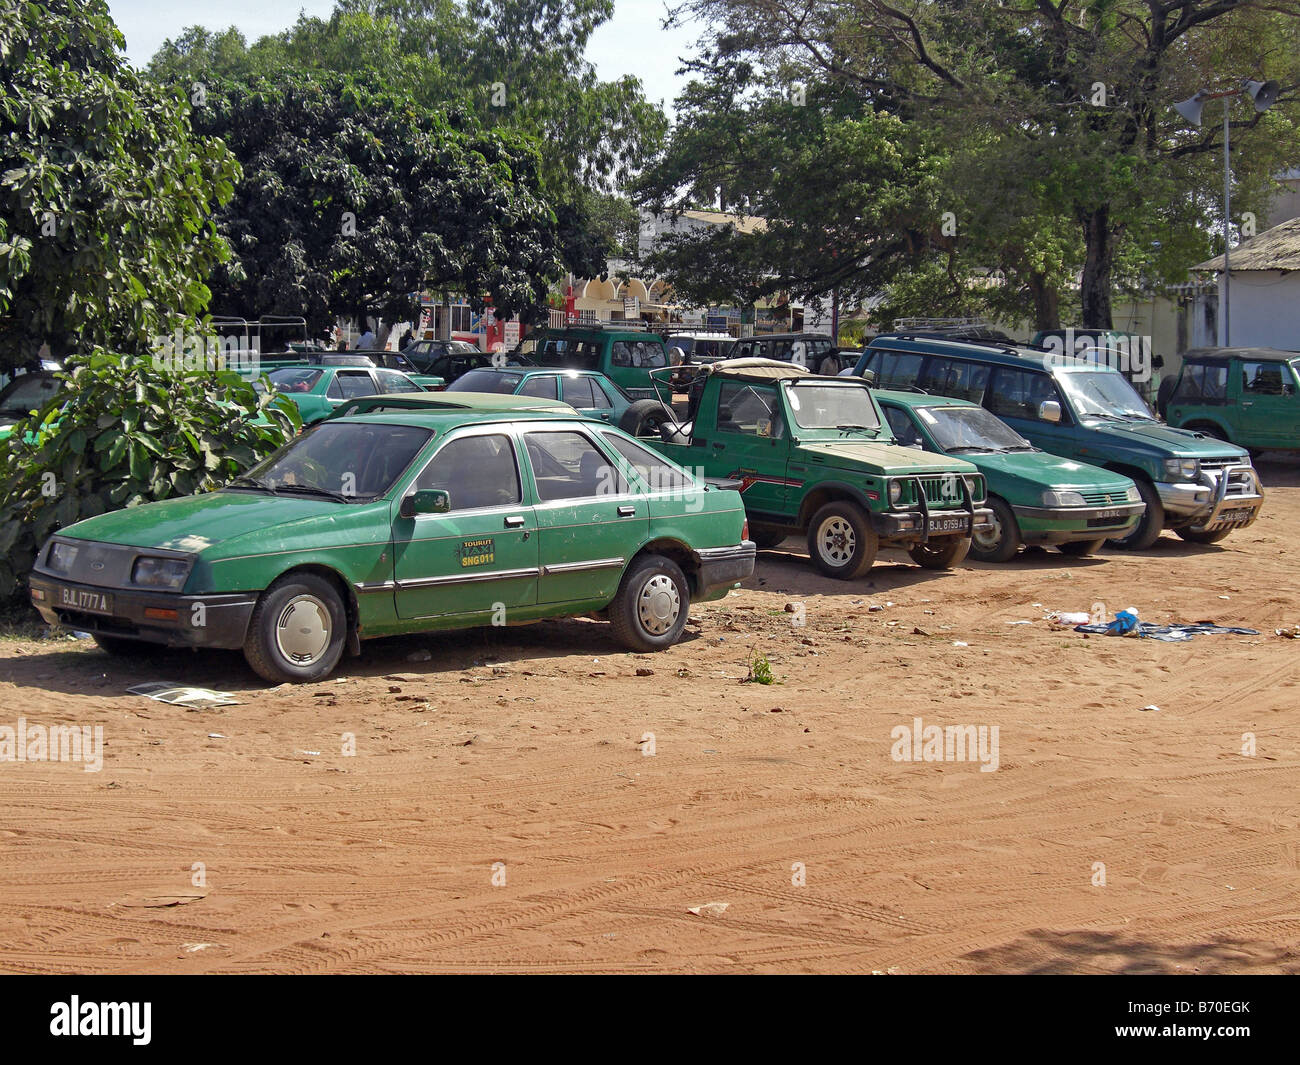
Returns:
(859, 429)
(974, 447)
(311, 489)
(251, 482)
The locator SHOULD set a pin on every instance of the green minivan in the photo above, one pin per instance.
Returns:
(1037, 499)
(1250, 396)
(1199, 487)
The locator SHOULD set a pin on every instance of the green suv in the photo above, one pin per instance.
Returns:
(1250, 396)
(399, 522)
(1201, 488)
(1037, 499)
(625, 356)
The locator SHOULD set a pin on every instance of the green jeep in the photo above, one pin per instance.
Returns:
(1246, 395)
(625, 356)
(399, 522)
(1036, 498)
(815, 455)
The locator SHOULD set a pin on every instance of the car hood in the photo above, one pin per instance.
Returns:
(1184, 442)
(1048, 471)
(194, 523)
(887, 457)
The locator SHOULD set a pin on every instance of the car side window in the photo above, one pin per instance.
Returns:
(1202, 383)
(599, 398)
(897, 369)
(902, 426)
(334, 390)
(1020, 393)
(957, 378)
(751, 409)
(621, 354)
(1262, 378)
(540, 387)
(568, 465)
(475, 471)
(653, 355)
(391, 381)
(355, 383)
(577, 391)
(658, 474)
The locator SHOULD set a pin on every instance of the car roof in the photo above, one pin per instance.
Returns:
(461, 401)
(1000, 354)
(919, 399)
(788, 336)
(1253, 354)
(533, 371)
(446, 419)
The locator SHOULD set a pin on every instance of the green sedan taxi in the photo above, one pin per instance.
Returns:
(1036, 498)
(404, 521)
(318, 390)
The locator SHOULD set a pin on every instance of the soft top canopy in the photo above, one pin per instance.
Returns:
(1223, 354)
(766, 369)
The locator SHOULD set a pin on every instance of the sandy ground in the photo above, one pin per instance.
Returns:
(524, 747)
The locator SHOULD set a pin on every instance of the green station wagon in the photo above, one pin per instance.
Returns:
(1250, 396)
(399, 522)
(1199, 487)
(1036, 498)
(625, 356)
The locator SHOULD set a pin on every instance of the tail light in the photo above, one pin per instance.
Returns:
(744, 530)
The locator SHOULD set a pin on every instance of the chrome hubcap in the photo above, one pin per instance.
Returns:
(658, 605)
(303, 630)
(836, 541)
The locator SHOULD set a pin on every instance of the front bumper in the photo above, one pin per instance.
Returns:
(1229, 498)
(921, 525)
(167, 618)
(722, 568)
(1060, 525)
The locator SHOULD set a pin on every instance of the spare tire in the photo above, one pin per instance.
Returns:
(644, 417)
(1164, 393)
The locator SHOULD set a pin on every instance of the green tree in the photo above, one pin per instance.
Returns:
(105, 192)
(354, 198)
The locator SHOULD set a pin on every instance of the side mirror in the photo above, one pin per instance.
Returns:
(1049, 411)
(869, 376)
(426, 501)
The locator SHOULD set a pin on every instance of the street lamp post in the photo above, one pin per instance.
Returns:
(1264, 94)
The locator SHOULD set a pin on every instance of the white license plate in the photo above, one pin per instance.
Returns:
(83, 599)
(1110, 514)
(943, 525)
(1234, 515)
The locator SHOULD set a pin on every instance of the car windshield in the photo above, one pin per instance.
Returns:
(486, 381)
(833, 406)
(348, 461)
(970, 429)
(294, 379)
(1103, 393)
(29, 393)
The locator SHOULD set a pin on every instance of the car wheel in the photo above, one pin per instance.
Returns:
(1196, 535)
(767, 536)
(124, 648)
(297, 631)
(1081, 548)
(943, 553)
(1147, 531)
(650, 609)
(1001, 542)
(841, 541)
(644, 418)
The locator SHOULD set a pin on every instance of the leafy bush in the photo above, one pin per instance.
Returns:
(122, 432)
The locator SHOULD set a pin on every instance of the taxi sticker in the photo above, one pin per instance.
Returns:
(478, 552)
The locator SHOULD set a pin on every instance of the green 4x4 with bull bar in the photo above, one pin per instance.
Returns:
(815, 455)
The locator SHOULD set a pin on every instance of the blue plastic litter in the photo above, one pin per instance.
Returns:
(1125, 621)
(1168, 633)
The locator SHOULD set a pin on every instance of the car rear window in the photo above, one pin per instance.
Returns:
(299, 380)
(486, 381)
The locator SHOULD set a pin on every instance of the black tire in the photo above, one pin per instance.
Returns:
(943, 553)
(1147, 531)
(1002, 542)
(1081, 548)
(121, 647)
(841, 541)
(1194, 535)
(1164, 393)
(312, 647)
(644, 417)
(767, 536)
(650, 608)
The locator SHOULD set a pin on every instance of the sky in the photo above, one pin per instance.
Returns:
(632, 42)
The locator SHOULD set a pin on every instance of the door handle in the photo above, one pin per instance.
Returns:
(626, 512)
(514, 521)
(719, 447)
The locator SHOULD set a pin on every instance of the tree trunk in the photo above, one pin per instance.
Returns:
(1094, 289)
(1047, 302)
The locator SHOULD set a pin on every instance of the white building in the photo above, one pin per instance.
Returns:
(1263, 293)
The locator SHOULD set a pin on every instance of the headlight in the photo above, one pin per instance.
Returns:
(61, 557)
(975, 486)
(1132, 494)
(1181, 469)
(895, 493)
(160, 572)
(1062, 499)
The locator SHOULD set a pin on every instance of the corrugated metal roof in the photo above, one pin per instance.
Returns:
(1274, 249)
